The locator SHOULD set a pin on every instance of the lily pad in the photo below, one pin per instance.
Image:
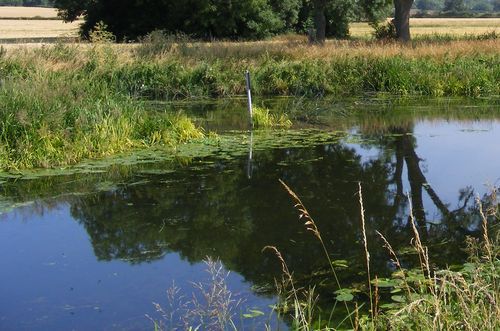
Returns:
(344, 295)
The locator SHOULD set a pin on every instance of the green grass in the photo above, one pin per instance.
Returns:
(344, 76)
(56, 118)
(61, 104)
(263, 118)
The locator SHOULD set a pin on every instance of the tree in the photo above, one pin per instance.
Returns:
(429, 4)
(320, 20)
(456, 6)
(496, 5)
(330, 18)
(375, 13)
(130, 19)
(401, 19)
(69, 10)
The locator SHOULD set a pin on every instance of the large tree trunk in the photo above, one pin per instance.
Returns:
(320, 21)
(402, 19)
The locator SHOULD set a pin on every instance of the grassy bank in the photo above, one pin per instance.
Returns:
(163, 68)
(55, 117)
(61, 104)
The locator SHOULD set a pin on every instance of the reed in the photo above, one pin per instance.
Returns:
(263, 118)
(48, 121)
(433, 299)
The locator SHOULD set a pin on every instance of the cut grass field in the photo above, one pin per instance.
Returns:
(441, 26)
(27, 12)
(27, 29)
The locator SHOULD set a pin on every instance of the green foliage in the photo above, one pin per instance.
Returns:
(465, 297)
(263, 118)
(100, 34)
(57, 118)
(385, 31)
(376, 11)
(429, 4)
(456, 6)
(206, 19)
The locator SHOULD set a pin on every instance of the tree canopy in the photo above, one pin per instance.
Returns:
(249, 19)
(227, 19)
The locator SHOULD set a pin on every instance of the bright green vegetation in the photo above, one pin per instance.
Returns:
(263, 118)
(185, 71)
(62, 104)
(425, 298)
(59, 117)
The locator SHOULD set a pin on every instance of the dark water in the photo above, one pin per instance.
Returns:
(94, 251)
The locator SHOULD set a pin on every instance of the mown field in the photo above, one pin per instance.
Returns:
(431, 26)
(26, 23)
(27, 12)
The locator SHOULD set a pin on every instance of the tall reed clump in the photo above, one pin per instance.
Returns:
(422, 298)
(263, 118)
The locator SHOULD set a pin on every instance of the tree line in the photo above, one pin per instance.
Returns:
(27, 3)
(238, 19)
(458, 6)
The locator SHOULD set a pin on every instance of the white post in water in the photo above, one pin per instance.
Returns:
(250, 156)
(249, 97)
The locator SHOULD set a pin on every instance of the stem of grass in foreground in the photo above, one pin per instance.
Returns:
(367, 254)
(311, 226)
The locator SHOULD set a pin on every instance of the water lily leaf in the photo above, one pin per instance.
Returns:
(389, 306)
(469, 267)
(344, 295)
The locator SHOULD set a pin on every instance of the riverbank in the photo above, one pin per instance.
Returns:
(64, 103)
(170, 68)
(52, 116)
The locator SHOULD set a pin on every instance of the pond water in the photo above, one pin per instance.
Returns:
(93, 248)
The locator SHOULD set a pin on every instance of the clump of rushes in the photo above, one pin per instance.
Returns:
(424, 298)
(263, 118)
(48, 121)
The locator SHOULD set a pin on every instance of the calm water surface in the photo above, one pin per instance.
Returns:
(94, 251)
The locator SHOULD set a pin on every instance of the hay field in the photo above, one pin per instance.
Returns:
(27, 12)
(25, 29)
(448, 26)
(33, 23)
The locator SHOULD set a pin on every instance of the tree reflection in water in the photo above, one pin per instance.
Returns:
(218, 211)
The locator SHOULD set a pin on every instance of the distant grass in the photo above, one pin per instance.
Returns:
(186, 69)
